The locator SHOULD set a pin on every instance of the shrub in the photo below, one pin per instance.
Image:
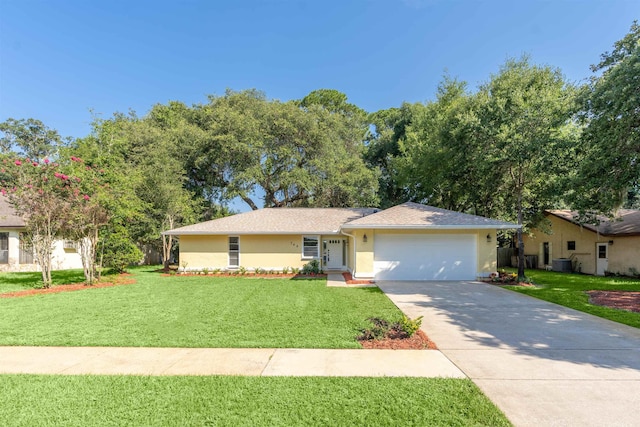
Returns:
(259, 270)
(312, 267)
(119, 251)
(285, 270)
(410, 326)
(242, 270)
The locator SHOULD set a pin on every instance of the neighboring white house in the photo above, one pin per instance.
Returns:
(16, 256)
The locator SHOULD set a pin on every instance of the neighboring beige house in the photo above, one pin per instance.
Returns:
(406, 242)
(14, 256)
(613, 246)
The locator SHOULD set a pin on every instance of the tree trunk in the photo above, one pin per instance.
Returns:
(520, 240)
(248, 201)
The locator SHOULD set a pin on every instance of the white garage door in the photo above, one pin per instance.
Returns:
(425, 257)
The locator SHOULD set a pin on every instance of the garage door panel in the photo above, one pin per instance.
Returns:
(425, 257)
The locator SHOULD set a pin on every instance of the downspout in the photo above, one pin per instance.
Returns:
(354, 249)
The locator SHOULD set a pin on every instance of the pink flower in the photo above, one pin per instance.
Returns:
(86, 197)
(46, 161)
(18, 163)
(34, 164)
(3, 191)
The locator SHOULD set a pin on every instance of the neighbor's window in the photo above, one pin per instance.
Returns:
(310, 247)
(26, 251)
(571, 246)
(234, 251)
(4, 248)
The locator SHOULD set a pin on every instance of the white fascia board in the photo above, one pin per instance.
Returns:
(432, 227)
(250, 233)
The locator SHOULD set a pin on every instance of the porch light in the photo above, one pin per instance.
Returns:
(610, 242)
(364, 238)
(489, 238)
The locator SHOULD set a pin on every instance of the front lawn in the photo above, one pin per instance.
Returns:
(176, 311)
(29, 400)
(570, 290)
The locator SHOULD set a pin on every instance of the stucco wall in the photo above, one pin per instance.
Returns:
(271, 252)
(61, 259)
(486, 251)
(624, 253)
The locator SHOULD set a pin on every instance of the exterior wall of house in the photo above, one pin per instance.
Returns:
(62, 259)
(623, 254)
(269, 252)
(197, 252)
(486, 250)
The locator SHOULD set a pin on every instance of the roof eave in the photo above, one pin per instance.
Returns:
(246, 233)
(433, 227)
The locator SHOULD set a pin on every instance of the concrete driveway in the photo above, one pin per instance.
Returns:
(542, 364)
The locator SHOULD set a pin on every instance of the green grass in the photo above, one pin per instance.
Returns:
(29, 400)
(569, 290)
(10, 282)
(161, 311)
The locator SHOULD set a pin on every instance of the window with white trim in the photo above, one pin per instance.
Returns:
(234, 251)
(4, 248)
(310, 247)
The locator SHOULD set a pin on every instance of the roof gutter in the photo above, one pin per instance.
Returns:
(433, 227)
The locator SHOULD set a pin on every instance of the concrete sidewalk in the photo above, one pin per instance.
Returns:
(226, 361)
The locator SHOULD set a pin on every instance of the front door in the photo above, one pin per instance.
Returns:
(602, 258)
(333, 259)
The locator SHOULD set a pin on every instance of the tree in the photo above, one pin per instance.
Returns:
(527, 135)
(247, 145)
(29, 138)
(383, 147)
(609, 176)
(50, 201)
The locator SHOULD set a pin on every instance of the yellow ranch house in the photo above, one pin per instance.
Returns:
(410, 241)
(613, 246)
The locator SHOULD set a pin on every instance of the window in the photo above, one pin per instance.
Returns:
(4, 248)
(26, 251)
(69, 246)
(602, 251)
(310, 247)
(571, 246)
(234, 251)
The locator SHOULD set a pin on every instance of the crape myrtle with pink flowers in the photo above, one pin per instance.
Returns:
(65, 199)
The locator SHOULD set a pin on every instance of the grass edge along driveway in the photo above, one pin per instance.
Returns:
(570, 290)
(175, 311)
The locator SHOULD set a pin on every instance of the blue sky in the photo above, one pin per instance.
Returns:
(60, 59)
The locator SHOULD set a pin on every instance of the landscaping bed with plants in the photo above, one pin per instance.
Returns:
(404, 334)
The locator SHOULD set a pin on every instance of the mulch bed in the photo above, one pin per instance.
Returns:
(351, 281)
(622, 300)
(251, 275)
(419, 341)
(122, 279)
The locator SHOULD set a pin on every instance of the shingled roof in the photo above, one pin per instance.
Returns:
(8, 217)
(417, 216)
(278, 221)
(332, 220)
(626, 222)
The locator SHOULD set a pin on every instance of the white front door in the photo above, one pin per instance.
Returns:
(602, 258)
(333, 259)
